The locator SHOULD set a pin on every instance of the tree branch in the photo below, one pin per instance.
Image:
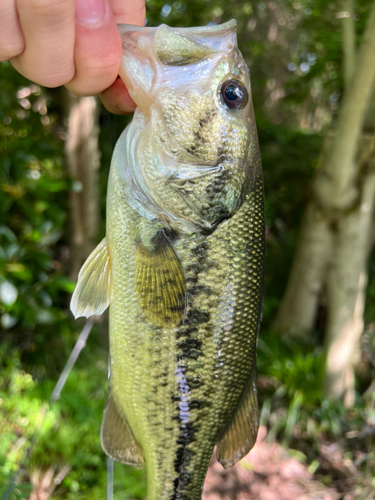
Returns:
(335, 185)
(348, 40)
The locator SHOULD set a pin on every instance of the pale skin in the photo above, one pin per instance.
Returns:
(70, 42)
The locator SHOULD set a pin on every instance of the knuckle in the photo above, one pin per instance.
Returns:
(12, 42)
(50, 8)
(138, 8)
(51, 79)
(57, 80)
(7, 51)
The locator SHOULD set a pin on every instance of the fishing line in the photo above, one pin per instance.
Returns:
(79, 345)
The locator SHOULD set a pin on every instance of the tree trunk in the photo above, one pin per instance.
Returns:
(347, 280)
(334, 192)
(297, 311)
(369, 128)
(346, 288)
(82, 158)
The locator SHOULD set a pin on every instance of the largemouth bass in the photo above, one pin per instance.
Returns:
(182, 263)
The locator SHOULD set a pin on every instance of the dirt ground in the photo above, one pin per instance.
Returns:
(268, 472)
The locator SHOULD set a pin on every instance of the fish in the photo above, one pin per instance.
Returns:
(182, 264)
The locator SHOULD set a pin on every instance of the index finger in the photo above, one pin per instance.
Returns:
(129, 12)
(116, 98)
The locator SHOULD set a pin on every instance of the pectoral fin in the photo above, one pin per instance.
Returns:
(160, 282)
(116, 437)
(240, 435)
(92, 294)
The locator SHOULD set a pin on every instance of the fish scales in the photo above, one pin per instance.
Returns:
(182, 263)
(210, 367)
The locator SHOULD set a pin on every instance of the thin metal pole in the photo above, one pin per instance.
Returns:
(109, 460)
(109, 478)
(79, 345)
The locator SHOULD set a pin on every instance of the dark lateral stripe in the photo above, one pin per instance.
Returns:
(190, 348)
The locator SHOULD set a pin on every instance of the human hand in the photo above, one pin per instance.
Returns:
(70, 42)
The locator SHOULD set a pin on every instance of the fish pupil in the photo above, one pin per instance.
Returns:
(234, 94)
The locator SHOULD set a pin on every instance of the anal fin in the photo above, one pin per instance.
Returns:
(160, 282)
(116, 437)
(241, 433)
(92, 294)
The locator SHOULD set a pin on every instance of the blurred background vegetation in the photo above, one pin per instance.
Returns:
(52, 213)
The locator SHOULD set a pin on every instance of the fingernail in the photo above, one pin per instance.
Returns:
(90, 11)
(123, 108)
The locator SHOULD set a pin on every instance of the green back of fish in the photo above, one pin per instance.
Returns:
(183, 375)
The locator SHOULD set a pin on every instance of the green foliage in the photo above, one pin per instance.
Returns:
(293, 367)
(33, 194)
(65, 433)
(291, 377)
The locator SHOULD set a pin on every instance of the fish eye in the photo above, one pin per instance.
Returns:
(234, 94)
